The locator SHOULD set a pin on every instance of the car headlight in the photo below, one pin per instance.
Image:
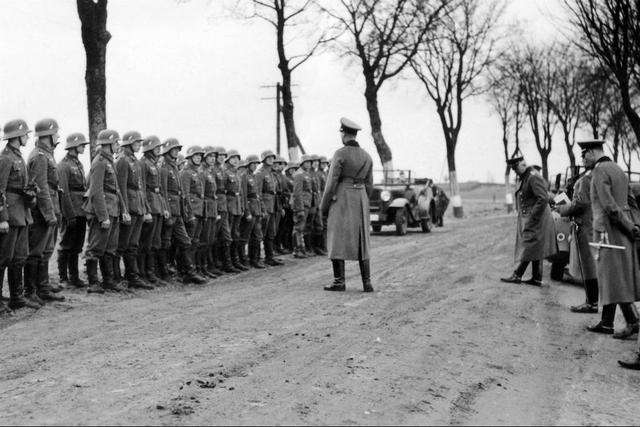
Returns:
(385, 196)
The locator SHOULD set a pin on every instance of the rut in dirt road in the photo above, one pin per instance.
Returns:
(440, 341)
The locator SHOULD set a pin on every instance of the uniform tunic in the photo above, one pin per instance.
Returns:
(150, 238)
(235, 204)
(535, 234)
(268, 191)
(346, 199)
(617, 269)
(223, 229)
(193, 189)
(251, 229)
(131, 183)
(173, 229)
(210, 204)
(301, 199)
(73, 187)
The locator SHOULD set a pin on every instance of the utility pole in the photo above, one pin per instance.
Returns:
(278, 99)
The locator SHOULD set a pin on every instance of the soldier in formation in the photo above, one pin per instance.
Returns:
(146, 206)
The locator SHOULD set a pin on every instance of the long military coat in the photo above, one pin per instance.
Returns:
(43, 170)
(535, 234)
(73, 185)
(346, 200)
(104, 199)
(579, 210)
(13, 180)
(617, 270)
(130, 174)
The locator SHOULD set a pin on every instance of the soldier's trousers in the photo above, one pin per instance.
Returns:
(299, 226)
(194, 229)
(223, 230)
(42, 239)
(102, 241)
(151, 234)
(234, 227)
(208, 236)
(269, 227)
(314, 222)
(14, 246)
(285, 229)
(129, 237)
(73, 235)
(251, 230)
(174, 231)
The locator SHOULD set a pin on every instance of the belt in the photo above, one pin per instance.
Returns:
(111, 191)
(273, 193)
(352, 181)
(153, 189)
(221, 192)
(179, 193)
(253, 196)
(77, 190)
(232, 193)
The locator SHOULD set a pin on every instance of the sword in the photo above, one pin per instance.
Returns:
(601, 245)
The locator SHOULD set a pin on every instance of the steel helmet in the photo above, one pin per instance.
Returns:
(267, 154)
(306, 158)
(193, 150)
(169, 144)
(243, 164)
(315, 158)
(280, 159)
(232, 153)
(131, 137)
(323, 159)
(15, 128)
(150, 143)
(75, 140)
(292, 165)
(46, 127)
(219, 150)
(252, 159)
(108, 136)
(209, 150)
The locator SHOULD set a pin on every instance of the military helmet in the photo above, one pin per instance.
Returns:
(315, 158)
(209, 150)
(233, 153)
(251, 159)
(150, 142)
(243, 164)
(193, 150)
(267, 154)
(15, 128)
(170, 144)
(131, 137)
(292, 165)
(75, 140)
(323, 159)
(219, 150)
(46, 127)
(306, 158)
(108, 136)
(280, 159)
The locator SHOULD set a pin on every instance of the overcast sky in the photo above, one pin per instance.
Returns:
(172, 70)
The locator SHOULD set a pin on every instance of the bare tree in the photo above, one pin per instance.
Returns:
(595, 93)
(610, 31)
(93, 19)
(451, 66)
(296, 28)
(384, 35)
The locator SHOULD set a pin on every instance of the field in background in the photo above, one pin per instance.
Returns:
(479, 199)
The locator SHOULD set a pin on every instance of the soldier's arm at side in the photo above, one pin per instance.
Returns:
(185, 183)
(38, 171)
(5, 170)
(65, 198)
(333, 179)
(122, 174)
(96, 191)
(144, 169)
(369, 179)
(539, 189)
(601, 183)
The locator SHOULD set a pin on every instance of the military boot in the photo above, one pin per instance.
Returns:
(268, 254)
(91, 266)
(132, 275)
(107, 263)
(227, 265)
(365, 272)
(42, 279)
(30, 278)
(317, 245)
(63, 262)
(235, 260)
(204, 255)
(242, 255)
(150, 267)
(254, 255)
(188, 275)
(115, 269)
(16, 290)
(161, 257)
(211, 263)
(308, 246)
(141, 262)
(74, 275)
(338, 284)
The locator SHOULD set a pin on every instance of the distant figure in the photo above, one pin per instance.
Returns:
(441, 202)
(346, 203)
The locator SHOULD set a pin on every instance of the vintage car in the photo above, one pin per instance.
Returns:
(402, 200)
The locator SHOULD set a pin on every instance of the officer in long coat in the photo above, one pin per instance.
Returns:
(73, 186)
(193, 189)
(346, 203)
(173, 229)
(43, 233)
(535, 233)
(211, 212)
(15, 200)
(301, 200)
(104, 207)
(130, 175)
(151, 235)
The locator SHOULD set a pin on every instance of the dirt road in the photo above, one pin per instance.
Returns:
(441, 341)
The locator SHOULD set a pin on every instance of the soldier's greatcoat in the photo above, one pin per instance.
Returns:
(346, 199)
(617, 270)
(582, 229)
(535, 235)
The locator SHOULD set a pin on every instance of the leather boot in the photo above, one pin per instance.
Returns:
(338, 276)
(150, 266)
(228, 266)
(204, 271)
(141, 262)
(91, 266)
(116, 269)
(514, 278)
(268, 254)
(16, 290)
(211, 261)
(188, 275)
(307, 248)
(242, 255)
(233, 251)
(63, 259)
(633, 364)
(218, 256)
(298, 251)
(317, 245)
(74, 274)
(365, 272)
(255, 255)
(163, 272)
(132, 275)
(107, 263)
(30, 278)
(44, 290)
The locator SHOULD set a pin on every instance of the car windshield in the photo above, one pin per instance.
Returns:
(392, 177)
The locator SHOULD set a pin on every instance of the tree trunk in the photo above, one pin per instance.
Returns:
(456, 200)
(508, 197)
(544, 159)
(567, 143)
(93, 18)
(616, 145)
(632, 115)
(371, 95)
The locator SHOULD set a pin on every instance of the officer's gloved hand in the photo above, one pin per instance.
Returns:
(167, 215)
(4, 227)
(249, 217)
(105, 224)
(126, 218)
(148, 217)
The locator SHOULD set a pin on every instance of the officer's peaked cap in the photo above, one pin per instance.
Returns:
(349, 126)
(590, 144)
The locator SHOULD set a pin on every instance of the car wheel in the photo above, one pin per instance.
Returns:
(425, 224)
(401, 222)
(376, 228)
